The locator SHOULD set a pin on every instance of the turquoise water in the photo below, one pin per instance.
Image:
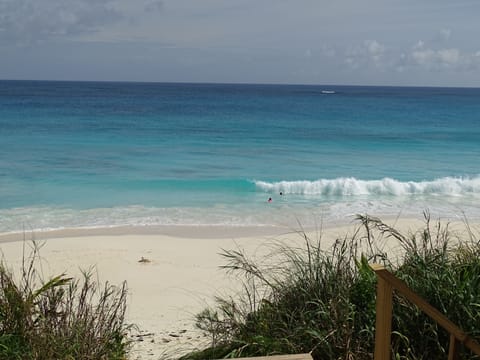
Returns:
(80, 154)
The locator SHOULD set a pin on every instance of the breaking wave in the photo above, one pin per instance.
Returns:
(448, 186)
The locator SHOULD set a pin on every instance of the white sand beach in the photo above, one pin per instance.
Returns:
(179, 277)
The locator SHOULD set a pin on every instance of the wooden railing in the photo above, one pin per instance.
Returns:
(383, 327)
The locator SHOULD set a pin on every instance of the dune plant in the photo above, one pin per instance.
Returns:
(60, 318)
(302, 299)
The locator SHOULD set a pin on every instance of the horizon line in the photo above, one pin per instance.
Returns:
(235, 83)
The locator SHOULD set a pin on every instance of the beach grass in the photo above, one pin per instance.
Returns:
(61, 317)
(306, 298)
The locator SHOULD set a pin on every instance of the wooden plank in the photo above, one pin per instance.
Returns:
(281, 357)
(383, 321)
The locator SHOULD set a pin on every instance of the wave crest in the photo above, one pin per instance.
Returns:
(450, 186)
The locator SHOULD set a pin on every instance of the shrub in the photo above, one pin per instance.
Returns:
(307, 298)
(60, 318)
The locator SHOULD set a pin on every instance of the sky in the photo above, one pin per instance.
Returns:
(335, 42)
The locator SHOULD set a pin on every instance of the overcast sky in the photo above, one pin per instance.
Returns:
(358, 42)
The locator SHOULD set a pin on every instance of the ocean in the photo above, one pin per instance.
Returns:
(100, 154)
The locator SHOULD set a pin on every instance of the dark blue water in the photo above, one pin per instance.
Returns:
(75, 154)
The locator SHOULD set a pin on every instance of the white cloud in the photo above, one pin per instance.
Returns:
(445, 34)
(449, 56)
(374, 47)
(29, 21)
(422, 56)
(437, 59)
(375, 50)
(370, 52)
(419, 45)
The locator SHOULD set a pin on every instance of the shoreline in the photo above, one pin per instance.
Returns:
(197, 231)
(184, 231)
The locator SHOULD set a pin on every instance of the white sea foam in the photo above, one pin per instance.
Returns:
(333, 200)
(449, 186)
(282, 211)
(53, 218)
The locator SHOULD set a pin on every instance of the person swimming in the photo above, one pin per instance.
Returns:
(269, 200)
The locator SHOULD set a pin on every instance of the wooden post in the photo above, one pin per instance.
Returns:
(383, 324)
(453, 349)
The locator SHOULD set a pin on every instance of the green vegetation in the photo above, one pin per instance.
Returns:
(60, 318)
(302, 299)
